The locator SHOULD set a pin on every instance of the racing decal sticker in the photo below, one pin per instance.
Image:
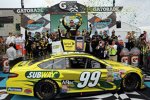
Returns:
(42, 74)
(65, 88)
(117, 76)
(67, 82)
(28, 91)
(89, 79)
(14, 89)
(110, 77)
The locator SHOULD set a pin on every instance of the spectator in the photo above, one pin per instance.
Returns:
(62, 34)
(19, 39)
(88, 42)
(28, 43)
(95, 42)
(113, 36)
(11, 53)
(107, 49)
(101, 34)
(49, 47)
(120, 46)
(131, 40)
(78, 33)
(105, 36)
(84, 31)
(10, 39)
(2, 45)
(100, 49)
(113, 51)
(34, 51)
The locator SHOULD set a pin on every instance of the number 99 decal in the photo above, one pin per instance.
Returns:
(89, 79)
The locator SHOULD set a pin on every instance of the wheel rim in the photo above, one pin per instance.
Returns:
(131, 82)
(46, 89)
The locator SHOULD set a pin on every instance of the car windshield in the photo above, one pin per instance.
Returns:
(33, 61)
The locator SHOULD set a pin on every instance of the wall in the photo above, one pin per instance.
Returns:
(9, 27)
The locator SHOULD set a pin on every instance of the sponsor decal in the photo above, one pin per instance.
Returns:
(65, 88)
(69, 45)
(28, 91)
(14, 89)
(103, 23)
(79, 43)
(125, 60)
(147, 78)
(105, 9)
(121, 71)
(67, 82)
(116, 76)
(69, 6)
(29, 10)
(110, 77)
(89, 79)
(134, 60)
(34, 25)
(6, 66)
(42, 74)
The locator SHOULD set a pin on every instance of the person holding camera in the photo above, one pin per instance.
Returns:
(100, 50)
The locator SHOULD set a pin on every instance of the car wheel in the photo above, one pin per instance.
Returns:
(46, 89)
(130, 82)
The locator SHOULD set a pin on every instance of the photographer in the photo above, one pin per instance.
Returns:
(100, 49)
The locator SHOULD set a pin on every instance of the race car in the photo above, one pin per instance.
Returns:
(70, 73)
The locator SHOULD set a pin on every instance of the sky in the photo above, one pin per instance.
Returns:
(135, 12)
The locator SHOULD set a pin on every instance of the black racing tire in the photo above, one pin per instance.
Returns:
(46, 89)
(130, 82)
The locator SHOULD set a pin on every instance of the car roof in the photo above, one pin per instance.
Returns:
(60, 55)
(69, 54)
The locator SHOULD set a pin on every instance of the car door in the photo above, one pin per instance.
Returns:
(106, 78)
(82, 74)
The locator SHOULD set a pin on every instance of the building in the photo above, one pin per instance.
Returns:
(9, 22)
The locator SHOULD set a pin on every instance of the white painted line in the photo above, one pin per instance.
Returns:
(123, 96)
(135, 93)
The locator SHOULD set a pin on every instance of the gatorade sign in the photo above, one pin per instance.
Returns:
(135, 60)
(5, 66)
(125, 60)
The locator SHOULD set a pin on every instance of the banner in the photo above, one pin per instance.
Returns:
(69, 45)
(104, 9)
(79, 43)
(57, 47)
(56, 21)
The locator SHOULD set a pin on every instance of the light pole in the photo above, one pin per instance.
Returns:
(113, 3)
(22, 3)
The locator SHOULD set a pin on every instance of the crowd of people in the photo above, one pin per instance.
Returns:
(99, 44)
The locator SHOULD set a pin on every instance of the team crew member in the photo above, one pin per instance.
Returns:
(113, 51)
(72, 28)
(12, 55)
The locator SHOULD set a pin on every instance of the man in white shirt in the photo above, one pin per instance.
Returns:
(10, 39)
(11, 54)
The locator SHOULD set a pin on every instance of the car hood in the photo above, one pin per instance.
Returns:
(118, 65)
(21, 65)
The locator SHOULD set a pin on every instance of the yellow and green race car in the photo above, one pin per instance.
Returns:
(71, 73)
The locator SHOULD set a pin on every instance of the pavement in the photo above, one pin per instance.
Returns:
(135, 95)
